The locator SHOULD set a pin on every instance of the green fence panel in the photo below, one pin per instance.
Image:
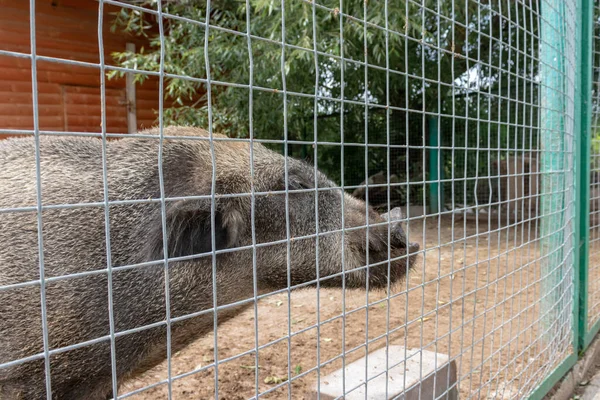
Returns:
(559, 88)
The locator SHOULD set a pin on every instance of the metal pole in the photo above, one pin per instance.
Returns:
(583, 164)
(130, 95)
(435, 203)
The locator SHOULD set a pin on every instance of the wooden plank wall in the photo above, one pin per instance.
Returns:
(69, 96)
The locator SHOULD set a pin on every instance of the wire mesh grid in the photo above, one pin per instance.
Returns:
(228, 271)
(593, 288)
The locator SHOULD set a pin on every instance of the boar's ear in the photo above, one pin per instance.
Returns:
(189, 229)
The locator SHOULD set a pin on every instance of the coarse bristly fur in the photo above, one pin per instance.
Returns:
(74, 242)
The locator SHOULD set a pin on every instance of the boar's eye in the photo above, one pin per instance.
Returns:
(299, 183)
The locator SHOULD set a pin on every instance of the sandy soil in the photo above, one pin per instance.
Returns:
(594, 274)
(474, 295)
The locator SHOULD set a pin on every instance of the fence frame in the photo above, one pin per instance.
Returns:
(585, 116)
(582, 337)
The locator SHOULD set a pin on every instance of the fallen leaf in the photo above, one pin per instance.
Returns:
(275, 379)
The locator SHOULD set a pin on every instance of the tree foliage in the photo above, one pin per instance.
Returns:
(437, 57)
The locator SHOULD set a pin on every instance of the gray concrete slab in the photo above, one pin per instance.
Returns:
(592, 389)
(421, 375)
(577, 383)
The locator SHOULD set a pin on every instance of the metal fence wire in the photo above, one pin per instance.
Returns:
(338, 199)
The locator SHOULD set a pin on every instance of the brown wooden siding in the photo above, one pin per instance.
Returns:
(68, 95)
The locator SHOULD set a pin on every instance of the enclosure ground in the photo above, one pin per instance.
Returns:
(474, 294)
(583, 380)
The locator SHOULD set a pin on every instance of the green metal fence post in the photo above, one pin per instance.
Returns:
(436, 203)
(583, 165)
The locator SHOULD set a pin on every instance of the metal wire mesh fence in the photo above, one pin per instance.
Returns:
(324, 179)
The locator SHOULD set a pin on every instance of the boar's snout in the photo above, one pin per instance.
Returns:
(413, 247)
(398, 236)
(389, 261)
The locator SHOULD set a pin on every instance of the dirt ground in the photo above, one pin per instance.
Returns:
(594, 274)
(475, 295)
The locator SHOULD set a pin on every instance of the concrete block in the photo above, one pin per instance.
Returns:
(431, 376)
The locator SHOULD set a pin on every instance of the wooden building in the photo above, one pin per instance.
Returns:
(68, 95)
